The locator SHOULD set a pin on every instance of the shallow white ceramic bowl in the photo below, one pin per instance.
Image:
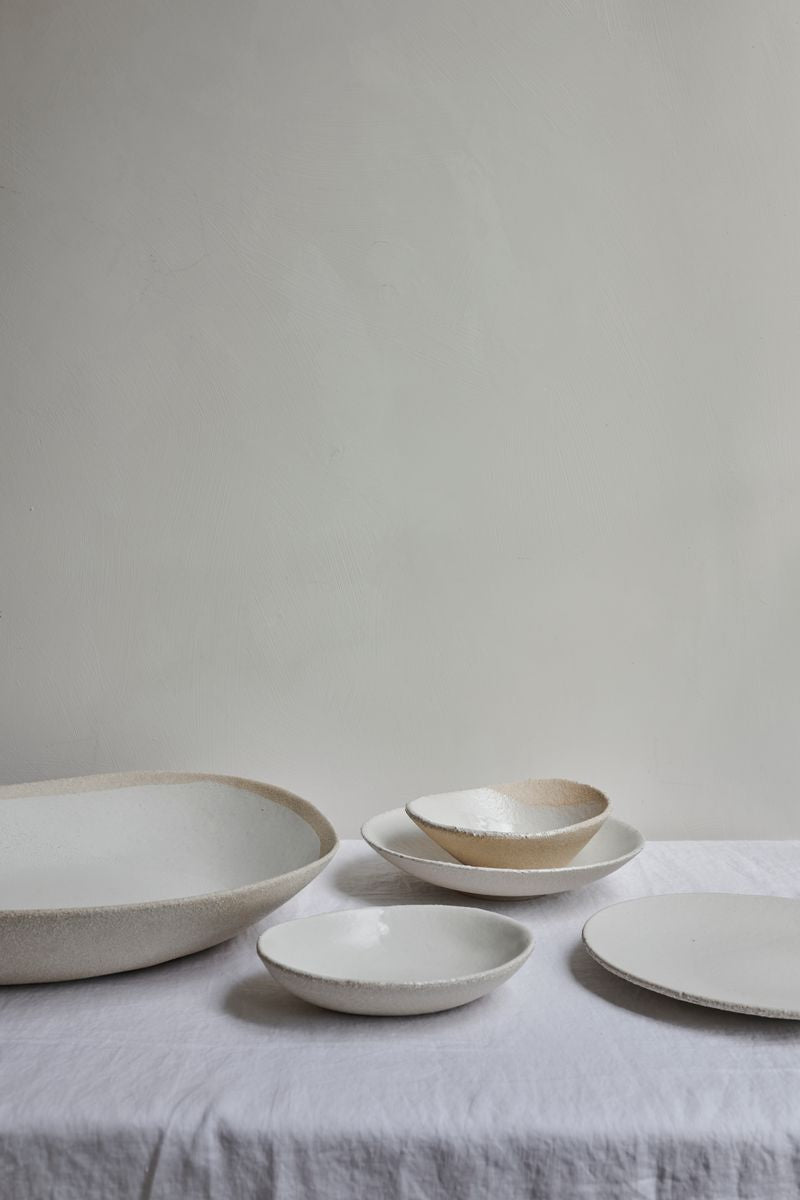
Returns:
(113, 872)
(396, 961)
(397, 839)
(716, 949)
(531, 824)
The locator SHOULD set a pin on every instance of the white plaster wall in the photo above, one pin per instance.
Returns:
(400, 396)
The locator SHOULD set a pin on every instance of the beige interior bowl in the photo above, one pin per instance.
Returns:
(535, 823)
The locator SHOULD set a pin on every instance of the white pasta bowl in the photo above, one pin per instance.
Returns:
(113, 872)
(401, 960)
(534, 823)
(396, 838)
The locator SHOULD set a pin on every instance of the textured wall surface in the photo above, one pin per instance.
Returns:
(402, 396)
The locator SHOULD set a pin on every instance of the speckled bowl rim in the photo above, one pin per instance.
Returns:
(411, 985)
(509, 836)
(488, 872)
(320, 824)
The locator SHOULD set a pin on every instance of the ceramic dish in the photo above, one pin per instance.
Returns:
(740, 953)
(112, 872)
(532, 824)
(396, 838)
(398, 961)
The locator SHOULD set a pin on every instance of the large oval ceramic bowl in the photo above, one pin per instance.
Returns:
(397, 839)
(531, 824)
(397, 961)
(114, 872)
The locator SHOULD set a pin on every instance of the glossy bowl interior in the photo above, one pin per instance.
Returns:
(530, 824)
(146, 841)
(107, 873)
(395, 960)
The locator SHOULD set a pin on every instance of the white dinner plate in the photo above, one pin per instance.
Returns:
(397, 839)
(740, 953)
(397, 961)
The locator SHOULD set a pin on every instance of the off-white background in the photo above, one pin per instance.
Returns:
(400, 396)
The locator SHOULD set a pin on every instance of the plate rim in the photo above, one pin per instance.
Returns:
(750, 1010)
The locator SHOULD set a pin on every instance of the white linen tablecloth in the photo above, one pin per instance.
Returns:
(203, 1079)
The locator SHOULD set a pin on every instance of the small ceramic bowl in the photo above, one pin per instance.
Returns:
(532, 824)
(396, 961)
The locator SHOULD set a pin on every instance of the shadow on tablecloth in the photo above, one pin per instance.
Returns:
(590, 975)
(257, 1000)
(379, 883)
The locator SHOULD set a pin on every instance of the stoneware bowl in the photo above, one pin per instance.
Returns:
(112, 872)
(535, 823)
(396, 838)
(398, 961)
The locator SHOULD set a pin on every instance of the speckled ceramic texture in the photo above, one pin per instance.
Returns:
(157, 833)
(402, 960)
(735, 952)
(396, 838)
(531, 824)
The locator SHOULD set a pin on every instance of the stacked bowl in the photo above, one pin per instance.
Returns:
(529, 838)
